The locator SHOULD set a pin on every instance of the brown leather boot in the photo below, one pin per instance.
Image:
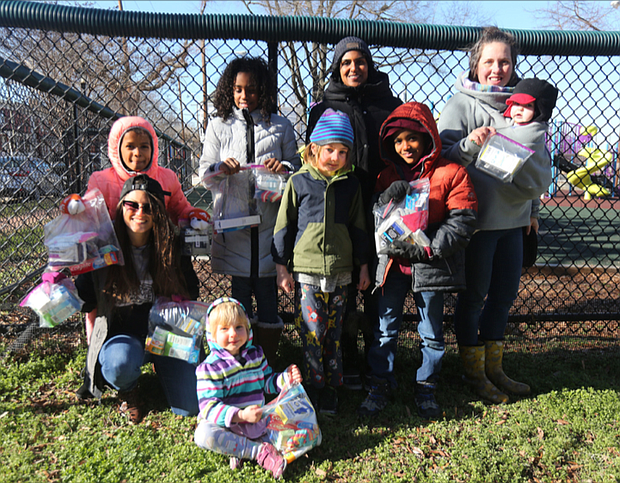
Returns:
(131, 405)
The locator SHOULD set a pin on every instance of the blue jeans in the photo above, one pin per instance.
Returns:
(121, 359)
(493, 262)
(391, 302)
(265, 292)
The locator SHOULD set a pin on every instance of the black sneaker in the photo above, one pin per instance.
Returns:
(425, 401)
(329, 400)
(352, 381)
(377, 398)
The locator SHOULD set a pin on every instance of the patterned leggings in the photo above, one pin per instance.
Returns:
(319, 320)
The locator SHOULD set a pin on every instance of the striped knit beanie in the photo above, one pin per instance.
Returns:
(333, 127)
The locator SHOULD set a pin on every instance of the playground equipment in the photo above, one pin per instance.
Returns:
(583, 177)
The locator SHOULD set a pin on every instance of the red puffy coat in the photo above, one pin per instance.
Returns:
(452, 205)
(110, 181)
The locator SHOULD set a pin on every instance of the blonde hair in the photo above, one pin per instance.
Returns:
(227, 314)
(312, 159)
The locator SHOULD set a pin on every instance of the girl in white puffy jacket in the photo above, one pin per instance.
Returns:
(245, 132)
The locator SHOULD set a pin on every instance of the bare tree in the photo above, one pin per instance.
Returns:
(578, 15)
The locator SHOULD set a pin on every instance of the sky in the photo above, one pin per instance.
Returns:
(506, 14)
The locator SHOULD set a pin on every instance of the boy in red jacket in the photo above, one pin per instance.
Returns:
(411, 149)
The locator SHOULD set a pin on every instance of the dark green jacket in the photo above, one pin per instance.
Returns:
(320, 227)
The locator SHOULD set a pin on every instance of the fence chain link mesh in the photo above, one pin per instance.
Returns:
(61, 91)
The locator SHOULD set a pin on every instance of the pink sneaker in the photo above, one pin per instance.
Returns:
(235, 463)
(269, 458)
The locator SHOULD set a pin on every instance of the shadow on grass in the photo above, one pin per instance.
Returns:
(545, 365)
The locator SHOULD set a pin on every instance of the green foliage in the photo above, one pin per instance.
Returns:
(568, 430)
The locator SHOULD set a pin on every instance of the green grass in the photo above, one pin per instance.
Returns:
(568, 430)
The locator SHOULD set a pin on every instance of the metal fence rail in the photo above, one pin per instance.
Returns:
(67, 73)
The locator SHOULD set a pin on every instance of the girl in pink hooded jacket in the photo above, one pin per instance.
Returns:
(133, 149)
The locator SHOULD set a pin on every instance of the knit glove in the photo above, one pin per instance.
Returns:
(72, 205)
(400, 249)
(396, 192)
(199, 219)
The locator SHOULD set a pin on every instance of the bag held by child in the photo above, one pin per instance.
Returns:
(85, 241)
(269, 187)
(292, 424)
(404, 220)
(234, 205)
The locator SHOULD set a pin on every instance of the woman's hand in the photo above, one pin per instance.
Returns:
(284, 279)
(251, 414)
(364, 282)
(274, 166)
(480, 135)
(294, 373)
(230, 166)
(533, 226)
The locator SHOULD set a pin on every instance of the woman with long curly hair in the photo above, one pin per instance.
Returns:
(123, 295)
(246, 132)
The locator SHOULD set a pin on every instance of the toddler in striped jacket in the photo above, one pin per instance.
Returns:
(231, 384)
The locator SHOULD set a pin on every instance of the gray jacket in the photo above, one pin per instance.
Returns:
(500, 205)
(231, 252)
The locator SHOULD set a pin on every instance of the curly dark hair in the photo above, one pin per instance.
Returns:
(223, 98)
(164, 258)
(490, 35)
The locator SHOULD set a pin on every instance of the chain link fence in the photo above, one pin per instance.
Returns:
(61, 88)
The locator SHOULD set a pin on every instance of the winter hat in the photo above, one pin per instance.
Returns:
(333, 127)
(347, 44)
(400, 124)
(538, 91)
(393, 127)
(143, 183)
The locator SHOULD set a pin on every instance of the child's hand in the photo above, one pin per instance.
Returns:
(230, 166)
(273, 165)
(294, 373)
(364, 282)
(284, 279)
(479, 135)
(251, 414)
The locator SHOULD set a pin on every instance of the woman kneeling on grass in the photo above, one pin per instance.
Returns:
(123, 296)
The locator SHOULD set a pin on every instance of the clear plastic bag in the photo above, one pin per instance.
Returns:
(197, 242)
(501, 157)
(292, 424)
(85, 241)
(405, 220)
(176, 329)
(269, 187)
(234, 205)
(54, 300)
